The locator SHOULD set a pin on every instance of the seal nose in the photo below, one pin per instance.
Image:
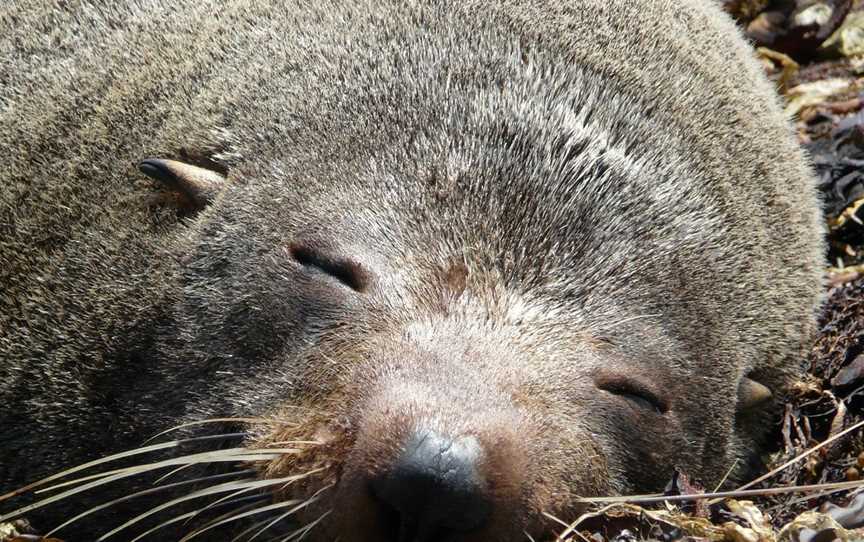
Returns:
(434, 488)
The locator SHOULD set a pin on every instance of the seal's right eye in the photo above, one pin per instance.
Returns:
(348, 272)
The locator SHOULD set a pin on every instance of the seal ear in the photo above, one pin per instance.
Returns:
(197, 186)
(751, 394)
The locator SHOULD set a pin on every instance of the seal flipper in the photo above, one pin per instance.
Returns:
(196, 185)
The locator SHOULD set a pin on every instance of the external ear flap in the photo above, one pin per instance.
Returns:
(751, 394)
(195, 184)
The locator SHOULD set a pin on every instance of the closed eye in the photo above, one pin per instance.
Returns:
(635, 392)
(348, 272)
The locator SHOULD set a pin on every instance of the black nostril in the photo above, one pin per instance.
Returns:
(435, 487)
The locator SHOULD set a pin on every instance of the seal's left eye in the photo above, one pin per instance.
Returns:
(348, 272)
(635, 392)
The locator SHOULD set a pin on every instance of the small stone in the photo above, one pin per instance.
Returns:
(815, 15)
(737, 533)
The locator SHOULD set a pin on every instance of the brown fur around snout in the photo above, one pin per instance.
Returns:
(538, 453)
(490, 256)
(402, 408)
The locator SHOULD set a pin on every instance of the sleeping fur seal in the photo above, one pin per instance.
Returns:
(437, 267)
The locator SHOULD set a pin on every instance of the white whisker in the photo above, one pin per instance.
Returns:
(128, 453)
(297, 505)
(291, 480)
(305, 530)
(283, 516)
(251, 483)
(221, 456)
(178, 519)
(141, 494)
(212, 420)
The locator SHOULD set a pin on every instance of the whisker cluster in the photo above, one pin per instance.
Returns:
(237, 488)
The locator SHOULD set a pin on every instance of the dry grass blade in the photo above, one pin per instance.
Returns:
(642, 499)
(819, 495)
(726, 476)
(571, 527)
(555, 519)
(802, 455)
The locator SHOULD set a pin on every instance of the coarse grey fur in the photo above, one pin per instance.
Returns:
(614, 179)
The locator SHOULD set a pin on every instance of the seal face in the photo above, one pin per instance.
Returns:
(441, 270)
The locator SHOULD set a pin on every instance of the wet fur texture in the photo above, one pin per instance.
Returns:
(540, 196)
